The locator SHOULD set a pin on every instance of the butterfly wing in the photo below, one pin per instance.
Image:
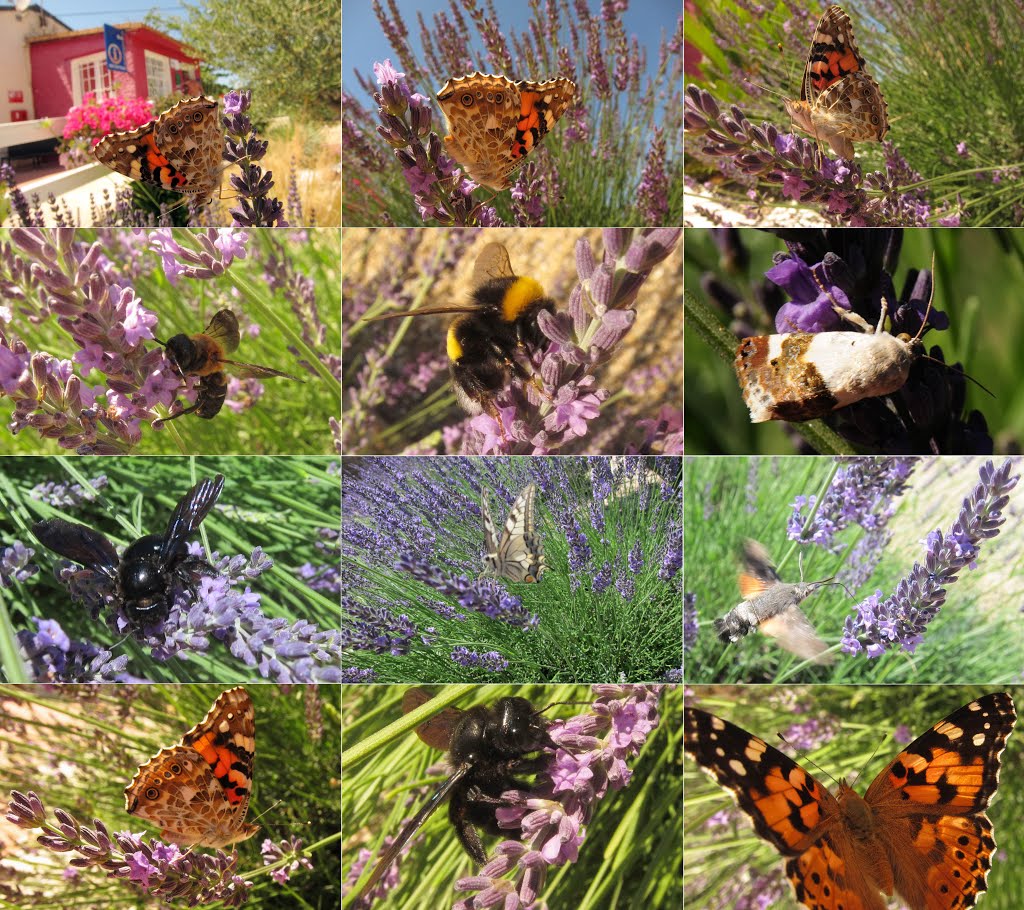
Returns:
(787, 806)
(493, 122)
(932, 798)
(197, 792)
(833, 54)
(518, 554)
(180, 150)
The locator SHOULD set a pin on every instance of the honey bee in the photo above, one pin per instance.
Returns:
(202, 355)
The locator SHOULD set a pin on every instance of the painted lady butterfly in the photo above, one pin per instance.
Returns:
(180, 150)
(494, 123)
(197, 792)
(920, 830)
(839, 102)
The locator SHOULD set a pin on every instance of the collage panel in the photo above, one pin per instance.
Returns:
(210, 113)
(853, 570)
(556, 114)
(169, 341)
(554, 342)
(851, 342)
(512, 569)
(99, 785)
(864, 115)
(928, 806)
(171, 569)
(585, 782)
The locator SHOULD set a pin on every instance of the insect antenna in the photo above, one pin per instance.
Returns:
(804, 758)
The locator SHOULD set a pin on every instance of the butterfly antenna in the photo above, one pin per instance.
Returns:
(269, 809)
(871, 758)
(810, 761)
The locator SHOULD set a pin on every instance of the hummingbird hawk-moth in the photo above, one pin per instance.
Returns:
(772, 606)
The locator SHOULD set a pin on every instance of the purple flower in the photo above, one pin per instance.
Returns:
(15, 565)
(901, 620)
(198, 878)
(691, 621)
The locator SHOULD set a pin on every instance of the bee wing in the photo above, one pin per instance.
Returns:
(493, 262)
(76, 542)
(194, 506)
(425, 311)
(410, 829)
(254, 370)
(223, 329)
(436, 732)
(794, 632)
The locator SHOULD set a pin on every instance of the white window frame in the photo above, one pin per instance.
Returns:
(165, 62)
(105, 87)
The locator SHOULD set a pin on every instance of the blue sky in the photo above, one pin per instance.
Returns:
(94, 13)
(363, 41)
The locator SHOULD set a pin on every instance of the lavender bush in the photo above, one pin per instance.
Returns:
(623, 305)
(79, 361)
(70, 627)
(414, 605)
(861, 521)
(608, 757)
(74, 748)
(613, 158)
(940, 163)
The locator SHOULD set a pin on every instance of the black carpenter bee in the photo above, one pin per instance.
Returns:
(489, 338)
(487, 747)
(144, 578)
(202, 355)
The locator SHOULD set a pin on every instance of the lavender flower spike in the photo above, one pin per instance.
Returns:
(901, 620)
(156, 868)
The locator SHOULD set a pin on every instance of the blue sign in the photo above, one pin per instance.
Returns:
(113, 38)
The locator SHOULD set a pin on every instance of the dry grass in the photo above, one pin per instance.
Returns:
(313, 152)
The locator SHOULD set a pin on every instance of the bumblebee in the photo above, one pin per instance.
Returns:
(202, 355)
(489, 339)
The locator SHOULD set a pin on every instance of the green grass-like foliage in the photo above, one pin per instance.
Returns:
(629, 858)
(78, 747)
(275, 503)
(721, 858)
(979, 280)
(976, 635)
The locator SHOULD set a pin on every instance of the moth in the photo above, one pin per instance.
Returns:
(772, 606)
(805, 375)
(517, 554)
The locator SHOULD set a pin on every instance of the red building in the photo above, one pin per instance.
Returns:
(68, 65)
